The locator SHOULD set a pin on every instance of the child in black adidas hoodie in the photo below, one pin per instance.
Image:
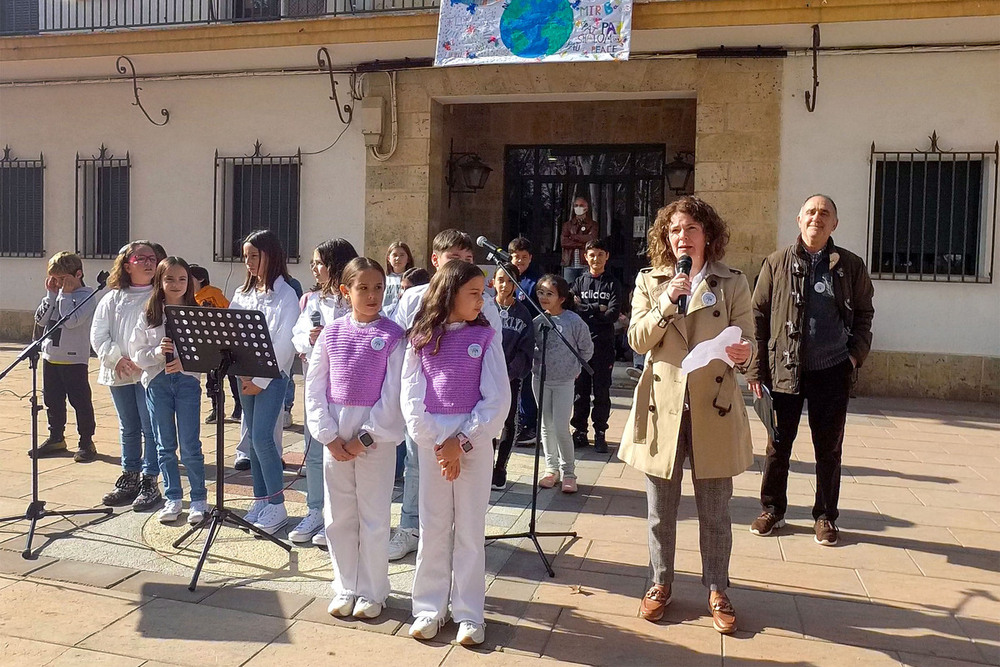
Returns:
(598, 297)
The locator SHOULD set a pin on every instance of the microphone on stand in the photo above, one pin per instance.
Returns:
(102, 279)
(495, 250)
(683, 266)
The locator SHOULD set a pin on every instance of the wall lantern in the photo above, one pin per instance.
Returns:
(466, 173)
(679, 172)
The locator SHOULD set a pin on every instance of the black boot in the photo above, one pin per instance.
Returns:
(600, 443)
(87, 452)
(126, 489)
(580, 439)
(52, 445)
(149, 494)
(210, 419)
(499, 478)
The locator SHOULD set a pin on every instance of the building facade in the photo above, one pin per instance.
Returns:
(901, 131)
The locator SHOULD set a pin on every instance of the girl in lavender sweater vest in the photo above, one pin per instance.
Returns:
(455, 396)
(352, 406)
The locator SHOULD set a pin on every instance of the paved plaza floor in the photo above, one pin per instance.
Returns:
(914, 581)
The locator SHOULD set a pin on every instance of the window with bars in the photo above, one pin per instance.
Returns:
(933, 214)
(21, 205)
(256, 192)
(18, 17)
(102, 204)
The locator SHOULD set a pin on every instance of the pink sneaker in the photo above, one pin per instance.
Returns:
(548, 481)
(569, 485)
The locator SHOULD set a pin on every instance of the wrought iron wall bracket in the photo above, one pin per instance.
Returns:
(811, 97)
(122, 69)
(326, 63)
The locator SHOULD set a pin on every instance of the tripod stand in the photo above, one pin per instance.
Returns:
(36, 508)
(202, 336)
(532, 533)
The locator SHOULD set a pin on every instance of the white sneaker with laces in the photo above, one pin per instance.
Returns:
(319, 539)
(253, 512)
(341, 605)
(272, 518)
(404, 541)
(287, 419)
(170, 512)
(425, 627)
(470, 634)
(308, 527)
(365, 608)
(197, 512)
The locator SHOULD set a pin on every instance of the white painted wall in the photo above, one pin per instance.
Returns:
(896, 101)
(173, 166)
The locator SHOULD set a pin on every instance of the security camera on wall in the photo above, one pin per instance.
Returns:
(371, 120)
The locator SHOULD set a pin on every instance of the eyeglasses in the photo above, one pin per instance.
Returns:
(142, 259)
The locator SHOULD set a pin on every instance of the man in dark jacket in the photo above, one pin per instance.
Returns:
(598, 297)
(813, 317)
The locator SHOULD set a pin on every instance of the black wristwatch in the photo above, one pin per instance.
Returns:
(463, 440)
(366, 439)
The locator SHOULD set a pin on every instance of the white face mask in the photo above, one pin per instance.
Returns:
(579, 210)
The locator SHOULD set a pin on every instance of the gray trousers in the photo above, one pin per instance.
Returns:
(714, 524)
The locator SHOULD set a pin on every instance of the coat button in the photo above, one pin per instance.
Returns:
(716, 313)
(652, 408)
(713, 283)
(722, 413)
(656, 378)
(718, 378)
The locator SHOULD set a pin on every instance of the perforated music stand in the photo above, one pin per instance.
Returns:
(219, 341)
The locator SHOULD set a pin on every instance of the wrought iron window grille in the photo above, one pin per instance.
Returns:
(252, 192)
(103, 204)
(21, 206)
(932, 214)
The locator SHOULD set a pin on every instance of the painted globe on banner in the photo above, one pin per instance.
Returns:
(536, 28)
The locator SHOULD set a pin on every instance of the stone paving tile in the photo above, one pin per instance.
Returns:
(917, 660)
(798, 577)
(12, 563)
(256, 601)
(592, 591)
(852, 551)
(159, 585)
(942, 595)
(388, 623)
(979, 539)
(765, 650)
(954, 518)
(968, 564)
(86, 574)
(984, 635)
(230, 637)
(75, 657)
(19, 652)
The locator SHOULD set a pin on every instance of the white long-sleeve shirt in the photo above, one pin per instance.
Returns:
(409, 304)
(115, 319)
(480, 426)
(144, 350)
(329, 307)
(328, 421)
(281, 310)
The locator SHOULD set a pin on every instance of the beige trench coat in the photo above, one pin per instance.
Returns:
(720, 429)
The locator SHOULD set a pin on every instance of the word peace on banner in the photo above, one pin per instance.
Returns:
(489, 32)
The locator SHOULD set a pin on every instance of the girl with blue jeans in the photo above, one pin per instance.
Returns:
(173, 395)
(115, 319)
(266, 290)
(320, 307)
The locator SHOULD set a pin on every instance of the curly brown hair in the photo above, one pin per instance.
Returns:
(716, 231)
(438, 302)
(119, 278)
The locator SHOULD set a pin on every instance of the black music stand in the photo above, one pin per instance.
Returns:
(220, 341)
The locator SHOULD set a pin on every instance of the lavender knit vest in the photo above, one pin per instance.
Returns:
(453, 373)
(359, 357)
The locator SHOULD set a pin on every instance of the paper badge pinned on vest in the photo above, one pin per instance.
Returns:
(475, 350)
(378, 343)
(708, 299)
(709, 350)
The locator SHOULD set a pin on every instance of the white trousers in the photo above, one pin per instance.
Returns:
(357, 534)
(451, 556)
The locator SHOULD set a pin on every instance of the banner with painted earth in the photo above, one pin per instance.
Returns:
(487, 32)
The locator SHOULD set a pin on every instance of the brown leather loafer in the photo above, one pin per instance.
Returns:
(723, 614)
(655, 602)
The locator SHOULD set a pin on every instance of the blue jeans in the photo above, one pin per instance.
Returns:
(314, 471)
(135, 426)
(527, 408)
(290, 393)
(174, 401)
(410, 515)
(261, 413)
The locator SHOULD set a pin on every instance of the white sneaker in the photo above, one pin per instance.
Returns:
(341, 605)
(365, 608)
(197, 512)
(170, 512)
(308, 527)
(319, 539)
(272, 518)
(287, 419)
(253, 512)
(470, 634)
(425, 627)
(404, 541)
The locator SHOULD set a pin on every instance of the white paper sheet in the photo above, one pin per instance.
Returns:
(715, 348)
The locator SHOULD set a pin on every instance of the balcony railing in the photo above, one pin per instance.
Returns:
(31, 17)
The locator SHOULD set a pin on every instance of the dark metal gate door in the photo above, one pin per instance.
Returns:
(624, 183)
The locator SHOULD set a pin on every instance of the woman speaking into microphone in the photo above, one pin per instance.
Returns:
(686, 297)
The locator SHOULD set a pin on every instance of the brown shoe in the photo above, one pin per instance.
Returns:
(655, 602)
(826, 532)
(723, 614)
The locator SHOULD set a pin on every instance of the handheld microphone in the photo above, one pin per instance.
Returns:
(495, 250)
(317, 318)
(168, 356)
(683, 266)
(102, 279)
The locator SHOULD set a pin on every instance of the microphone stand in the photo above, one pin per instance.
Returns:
(36, 508)
(549, 325)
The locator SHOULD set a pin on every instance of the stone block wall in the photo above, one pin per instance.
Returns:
(920, 375)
